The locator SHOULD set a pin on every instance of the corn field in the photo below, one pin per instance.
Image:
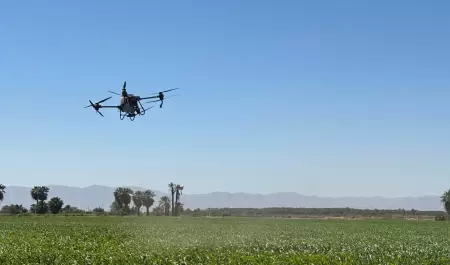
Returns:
(189, 240)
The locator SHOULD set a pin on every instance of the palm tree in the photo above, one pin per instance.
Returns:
(35, 193)
(2, 191)
(164, 202)
(138, 200)
(445, 199)
(43, 193)
(172, 191)
(39, 194)
(147, 199)
(117, 192)
(55, 205)
(178, 191)
(123, 197)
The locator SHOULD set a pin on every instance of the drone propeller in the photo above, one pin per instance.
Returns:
(165, 91)
(114, 92)
(148, 108)
(164, 98)
(124, 86)
(97, 105)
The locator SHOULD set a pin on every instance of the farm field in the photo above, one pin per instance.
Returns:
(189, 240)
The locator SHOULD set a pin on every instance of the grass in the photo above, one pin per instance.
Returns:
(161, 240)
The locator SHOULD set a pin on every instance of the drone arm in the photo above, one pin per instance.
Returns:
(109, 107)
(150, 97)
(159, 99)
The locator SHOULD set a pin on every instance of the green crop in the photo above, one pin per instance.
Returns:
(188, 240)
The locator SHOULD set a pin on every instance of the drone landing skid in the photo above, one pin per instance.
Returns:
(132, 116)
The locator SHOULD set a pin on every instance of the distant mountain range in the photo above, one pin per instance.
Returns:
(102, 196)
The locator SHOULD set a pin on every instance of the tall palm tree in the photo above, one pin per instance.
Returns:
(148, 200)
(172, 191)
(138, 200)
(39, 194)
(164, 201)
(2, 191)
(117, 192)
(35, 193)
(445, 199)
(178, 191)
(125, 197)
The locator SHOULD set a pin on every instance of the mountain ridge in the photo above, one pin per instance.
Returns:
(102, 196)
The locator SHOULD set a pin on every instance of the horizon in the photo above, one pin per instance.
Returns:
(337, 99)
(228, 192)
(102, 196)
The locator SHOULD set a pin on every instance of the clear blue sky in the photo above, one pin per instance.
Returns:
(318, 97)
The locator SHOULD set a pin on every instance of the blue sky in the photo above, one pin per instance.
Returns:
(330, 98)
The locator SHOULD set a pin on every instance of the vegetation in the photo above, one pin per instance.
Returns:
(129, 202)
(445, 199)
(283, 212)
(147, 200)
(172, 192)
(72, 210)
(112, 240)
(123, 197)
(98, 210)
(134, 240)
(14, 209)
(2, 192)
(55, 205)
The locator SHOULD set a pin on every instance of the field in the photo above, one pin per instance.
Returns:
(189, 240)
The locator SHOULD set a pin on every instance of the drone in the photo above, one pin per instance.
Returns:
(130, 105)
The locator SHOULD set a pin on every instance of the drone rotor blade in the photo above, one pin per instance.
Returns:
(114, 93)
(97, 106)
(170, 90)
(103, 100)
(149, 108)
(165, 91)
(163, 99)
(124, 84)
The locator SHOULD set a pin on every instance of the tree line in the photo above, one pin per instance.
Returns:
(310, 212)
(172, 206)
(121, 204)
(166, 206)
(42, 206)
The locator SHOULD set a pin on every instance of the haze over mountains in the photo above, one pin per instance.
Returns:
(102, 196)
